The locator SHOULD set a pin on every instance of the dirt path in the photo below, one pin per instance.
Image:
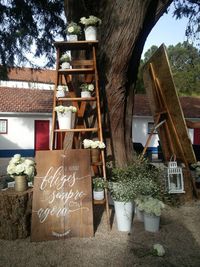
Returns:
(179, 234)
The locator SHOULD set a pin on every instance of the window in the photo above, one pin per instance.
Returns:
(3, 126)
(150, 128)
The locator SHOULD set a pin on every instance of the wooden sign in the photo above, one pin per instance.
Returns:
(62, 196)
(165, 107)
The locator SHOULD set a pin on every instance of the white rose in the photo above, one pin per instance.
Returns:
(86, 143)
(29, 170)
(11, 169)
(71, 29)
(90, 87)
(20, 168)
(94, 144)
(101, 145)
(29, 162)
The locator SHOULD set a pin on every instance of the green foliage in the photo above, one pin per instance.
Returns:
(98, 183)
(24, 23)
(184, 61)
(137, 178)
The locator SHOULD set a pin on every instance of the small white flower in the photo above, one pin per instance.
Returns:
(90, 87)
(62, 88)
(87, 143)
(20, 168)
(94, 145)
(101, 145)
(71, 29)
(159, 249)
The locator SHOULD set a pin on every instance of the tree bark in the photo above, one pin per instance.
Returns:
(125, 27)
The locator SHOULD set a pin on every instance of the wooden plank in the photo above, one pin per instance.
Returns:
(167, 99)
(62, 196)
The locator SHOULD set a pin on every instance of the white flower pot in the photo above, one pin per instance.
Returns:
(64, 120)
(60, 93)
(85, 94)
(73, 37)
(151, 222)
(65, 65)
(124, 215)
(90, 33)
(98, 195)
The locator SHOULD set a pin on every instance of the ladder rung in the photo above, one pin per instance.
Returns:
(99, 202)
(77, 130)
(77, 99)
(76, 71)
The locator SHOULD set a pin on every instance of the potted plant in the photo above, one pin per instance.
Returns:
(91, 23)
(127, 184)
(64, 115)
(152, 208)
(65, 61)
(196, 173)
(98, 188)
(73, 30)
(95, 147)
(86, 89)
(22, 170)
(61, 89)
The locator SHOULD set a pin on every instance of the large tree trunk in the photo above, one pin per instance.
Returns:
(125, 27)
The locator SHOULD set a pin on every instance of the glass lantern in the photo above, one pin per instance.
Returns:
(175, 178)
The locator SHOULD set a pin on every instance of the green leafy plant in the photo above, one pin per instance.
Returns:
(65, 58)
(87, 87)
(98, 183)
(136, 179)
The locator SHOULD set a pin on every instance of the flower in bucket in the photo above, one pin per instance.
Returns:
(62, 88)
(21, 166)
(152, 205)
(73, 28)
(65, 58)
(87, 143)
(62, 109)
(91, 21)
(87, 87)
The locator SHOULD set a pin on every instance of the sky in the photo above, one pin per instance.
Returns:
(168, 30)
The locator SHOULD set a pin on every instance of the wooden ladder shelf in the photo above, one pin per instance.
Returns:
(86, 123)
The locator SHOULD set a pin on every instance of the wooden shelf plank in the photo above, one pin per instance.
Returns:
(99, 202)
(76, 99)
(77, 130)
(76, 71)
(78, 45)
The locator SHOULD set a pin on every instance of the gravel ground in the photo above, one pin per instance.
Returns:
(179, 234)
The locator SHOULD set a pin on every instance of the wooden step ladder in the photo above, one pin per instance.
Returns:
(87, 121)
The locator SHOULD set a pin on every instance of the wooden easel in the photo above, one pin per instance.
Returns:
(166, 108)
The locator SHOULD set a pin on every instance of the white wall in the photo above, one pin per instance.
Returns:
(140, 131)
(20, 131)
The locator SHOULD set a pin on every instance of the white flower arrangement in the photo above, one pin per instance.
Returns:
(87, 87)
(158, 250)
(91, 21)
(73, 28)
(65, 58)
(62, 88)
(152, 205)
(21, 166)
(61, 109)
(87, 143)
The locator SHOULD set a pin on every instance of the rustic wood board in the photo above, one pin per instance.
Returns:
(62, 196)
(173, 133)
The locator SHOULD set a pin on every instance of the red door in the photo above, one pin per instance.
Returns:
(196, 136)
(41, 135)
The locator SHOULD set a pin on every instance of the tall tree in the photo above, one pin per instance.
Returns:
(125, 27)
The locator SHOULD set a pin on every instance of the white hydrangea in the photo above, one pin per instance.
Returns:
(71, 29)
(62, 109)
(20, 168)
(87, 143)
(90, 87)
(159, 250)
(91, 21)
(62, 88)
